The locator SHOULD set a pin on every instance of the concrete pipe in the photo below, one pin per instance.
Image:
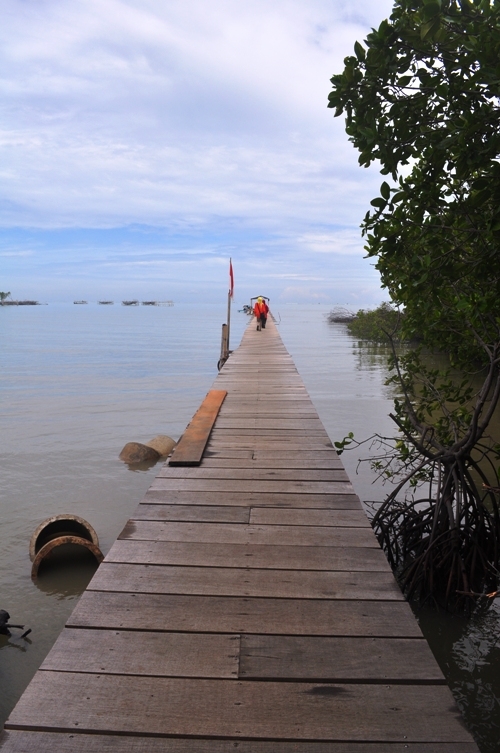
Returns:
(60, 541)
(60, 530)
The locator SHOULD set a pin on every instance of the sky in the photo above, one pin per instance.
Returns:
(145, 142)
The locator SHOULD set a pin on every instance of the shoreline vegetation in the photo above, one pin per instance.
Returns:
(20, 303)
(381, 325)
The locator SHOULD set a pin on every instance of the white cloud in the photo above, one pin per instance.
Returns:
(183, 114)
(339, 242)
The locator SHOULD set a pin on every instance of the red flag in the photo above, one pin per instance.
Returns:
(231, 278)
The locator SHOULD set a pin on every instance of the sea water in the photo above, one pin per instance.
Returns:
(79, 381)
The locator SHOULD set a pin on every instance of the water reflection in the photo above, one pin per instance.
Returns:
(370, 356)
(15, 642)
(468, 651)
(143, 466)
(67, 572)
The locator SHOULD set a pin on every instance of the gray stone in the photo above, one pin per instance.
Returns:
(135, 452)
(162, 444)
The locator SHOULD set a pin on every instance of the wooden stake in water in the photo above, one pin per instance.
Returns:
(229, 297)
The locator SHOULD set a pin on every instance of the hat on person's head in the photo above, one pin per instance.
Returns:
(259, 299)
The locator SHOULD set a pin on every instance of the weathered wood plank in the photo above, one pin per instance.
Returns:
(321, 453)
(145, 653)
(349, 559)
(294, 410)
(242, 454)
(338, 501)
(236, 614)
(295, 461)
(217, 581)
(16, 741)
(338, 659)
(298, 517)
(228, 708)
(263, 424)
(261, 397)
(199, 513)
(278, 433)
(239, 533)
(254, 474)
(260, 446)
(260, 487)
(189, 450)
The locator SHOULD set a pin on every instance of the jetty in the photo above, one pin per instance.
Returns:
(246, 606)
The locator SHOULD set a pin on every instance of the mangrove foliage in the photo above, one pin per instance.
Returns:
(420, 97)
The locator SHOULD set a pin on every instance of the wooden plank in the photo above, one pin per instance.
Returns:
(278, 433)
(199, 513)
(282, 441)
(267, 443)
(343, 659)
(227, 708)
(263, 424)
(286, 411)
(337, 501)
(163, 654)
(260, 446)
(272, 387)
(228, 614)
(257, 486)
(298, 517)
(254, 474)
(239, 533)
(261, 397)
(330, 462)
(16, 741)
(344, 558)
(321, 453)
(229, 454)
(270, 409)
(218, 581)
(189, 450)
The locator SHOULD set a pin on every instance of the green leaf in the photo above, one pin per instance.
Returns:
(360, 51)
(404, 81)
(378, 202)
(349, 73)
(399, 196)
(430, 28)
(385, 190)
(431, 9)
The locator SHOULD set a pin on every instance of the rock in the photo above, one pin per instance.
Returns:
(135, 452)
(162, 444)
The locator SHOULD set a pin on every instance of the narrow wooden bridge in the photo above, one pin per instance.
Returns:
(245, 607)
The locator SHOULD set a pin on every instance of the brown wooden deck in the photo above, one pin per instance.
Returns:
(245, 607)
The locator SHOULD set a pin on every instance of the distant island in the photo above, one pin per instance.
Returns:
(7, 300)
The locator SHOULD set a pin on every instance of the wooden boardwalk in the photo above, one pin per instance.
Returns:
(245, 607)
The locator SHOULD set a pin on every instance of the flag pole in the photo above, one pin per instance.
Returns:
(229, 296)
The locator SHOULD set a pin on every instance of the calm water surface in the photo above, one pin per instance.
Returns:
(78, 382)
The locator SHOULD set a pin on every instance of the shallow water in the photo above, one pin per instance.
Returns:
(78, 382)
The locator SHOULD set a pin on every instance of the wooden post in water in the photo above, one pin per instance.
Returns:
(224, 347)
(226, 328)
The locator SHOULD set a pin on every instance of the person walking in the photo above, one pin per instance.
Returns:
(261, 310)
